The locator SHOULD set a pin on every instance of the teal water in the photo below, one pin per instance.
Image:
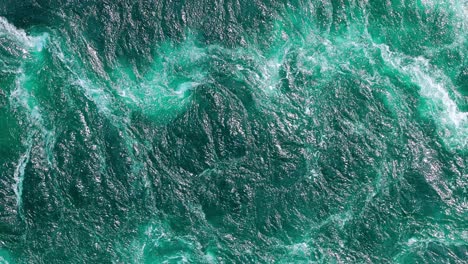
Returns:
(266, 131)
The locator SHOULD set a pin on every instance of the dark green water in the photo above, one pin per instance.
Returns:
(233, 131)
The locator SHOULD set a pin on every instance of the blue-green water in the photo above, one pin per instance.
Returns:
(233, 131)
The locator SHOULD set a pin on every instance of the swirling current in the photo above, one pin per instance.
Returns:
(233, 131)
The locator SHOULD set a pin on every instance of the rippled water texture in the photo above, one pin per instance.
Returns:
(233, 131)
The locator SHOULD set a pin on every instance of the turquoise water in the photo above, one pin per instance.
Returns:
(331, 131)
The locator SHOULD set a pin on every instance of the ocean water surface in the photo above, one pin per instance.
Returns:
(233, 131)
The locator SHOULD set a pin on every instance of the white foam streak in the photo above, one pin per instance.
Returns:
(19, 177)
(434, 90)
(435, 87)
(22, 100)
(33, 43)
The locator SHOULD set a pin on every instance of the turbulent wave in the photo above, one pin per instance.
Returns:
(233, 131)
